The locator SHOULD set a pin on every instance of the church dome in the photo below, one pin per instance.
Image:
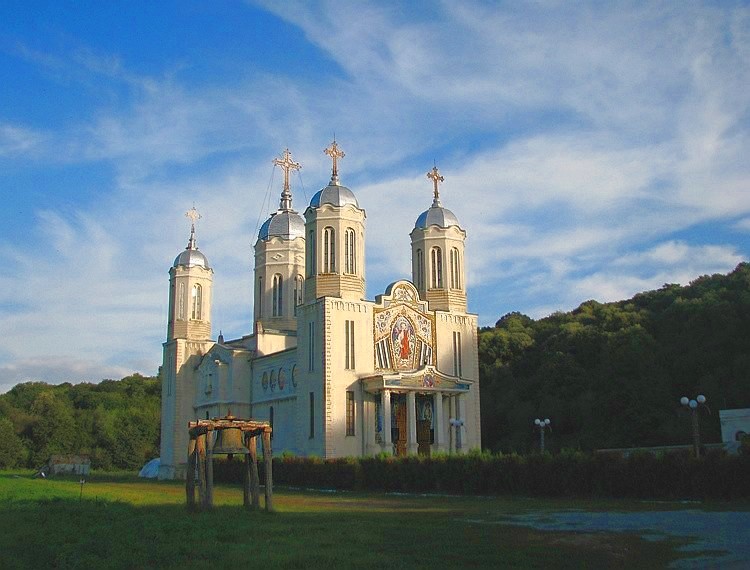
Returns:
(334, 194)
(286, 224)
(191, 258)
(436, 216)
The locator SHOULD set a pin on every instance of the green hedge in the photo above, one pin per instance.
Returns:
(716, 475)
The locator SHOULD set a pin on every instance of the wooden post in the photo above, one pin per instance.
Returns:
(209, 474)
(254, 479)
(268, 456)
(200, 452)
(190, 475)
(246, 474)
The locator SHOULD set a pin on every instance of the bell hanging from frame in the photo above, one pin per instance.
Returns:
(229, 442)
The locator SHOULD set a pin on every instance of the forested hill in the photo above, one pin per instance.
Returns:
(611, 375)
(115, 422)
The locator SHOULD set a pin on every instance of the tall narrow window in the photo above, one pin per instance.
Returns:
(260, 297)
(329, 250)
(436, 268)
(312, 415)
(270, 420)
(457, 354)
(299, 290)
(350, 250)
(311, 346)
(197, 301)
(420, 270)
(349, 412)
(455, 269)
(278, 295)
(349, 345)
(313, 254)
(181, 303)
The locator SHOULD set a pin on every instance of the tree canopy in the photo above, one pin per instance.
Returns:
(611, 374)
(116, 423)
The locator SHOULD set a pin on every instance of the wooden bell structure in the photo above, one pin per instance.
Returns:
(229, 442)
(233, 436)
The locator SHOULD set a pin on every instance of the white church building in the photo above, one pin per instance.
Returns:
(336, 374)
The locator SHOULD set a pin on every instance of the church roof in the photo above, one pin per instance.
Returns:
(286, 224)
(436, 215)
(191, 257)
(334, 194)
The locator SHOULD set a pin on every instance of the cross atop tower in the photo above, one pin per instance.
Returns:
(335, 153)
(194, 216)
(436, 178)
(287, 165)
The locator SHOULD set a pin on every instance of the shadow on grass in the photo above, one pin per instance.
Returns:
(62, 532)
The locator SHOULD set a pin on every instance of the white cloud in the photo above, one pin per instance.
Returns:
(575, 142)
(15, 140)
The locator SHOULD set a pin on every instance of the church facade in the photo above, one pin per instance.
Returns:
(336, 374)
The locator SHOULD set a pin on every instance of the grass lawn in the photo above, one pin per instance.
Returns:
(125, 522)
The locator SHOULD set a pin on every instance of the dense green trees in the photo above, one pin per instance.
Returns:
(610, 375)
(115, 422)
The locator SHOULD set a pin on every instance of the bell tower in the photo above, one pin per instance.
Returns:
(437, 254)
(280, 260)
(335, 240)
(188, 339)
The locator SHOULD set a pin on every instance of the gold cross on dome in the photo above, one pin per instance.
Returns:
(194, 216)
(335, 153)
(287, 164)
(434, 175)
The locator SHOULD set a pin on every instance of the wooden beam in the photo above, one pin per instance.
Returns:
(254, 479)
(268, 457)
(200, 450)
(190, 475)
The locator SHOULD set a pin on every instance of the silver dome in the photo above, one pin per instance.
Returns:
(334, 194)
(286, 224)
(191, 258)
(436, 216)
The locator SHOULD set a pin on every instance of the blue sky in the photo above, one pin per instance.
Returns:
(591, 151)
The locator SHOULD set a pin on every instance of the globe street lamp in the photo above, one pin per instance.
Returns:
(693, 406)
(542, 425)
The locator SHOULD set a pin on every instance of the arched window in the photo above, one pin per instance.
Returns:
(419, 277)
(350, 250)
(299, 292)
(455, 269)
(181, 303)
(312, 257)
(329, 250)
(436, 268)
(278, 295)
(197, 302)
(260, 297)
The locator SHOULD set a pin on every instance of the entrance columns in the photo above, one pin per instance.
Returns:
(385, 398)
(371, 424)
(438, 426)
(411, 423)
(461, 446)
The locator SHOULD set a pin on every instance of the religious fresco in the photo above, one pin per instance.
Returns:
(404, 334)
(403, 341)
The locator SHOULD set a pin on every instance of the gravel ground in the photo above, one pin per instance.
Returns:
(717, 538)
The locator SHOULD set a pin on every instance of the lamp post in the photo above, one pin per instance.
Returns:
(693, 406)
(542, 425)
